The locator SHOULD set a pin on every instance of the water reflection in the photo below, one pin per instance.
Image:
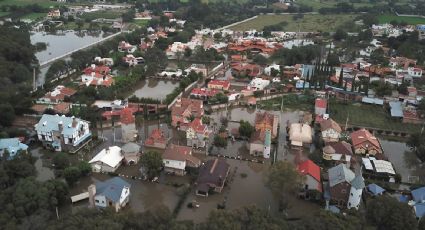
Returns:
(156, 89)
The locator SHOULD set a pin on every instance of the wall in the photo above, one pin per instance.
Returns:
(174, 164)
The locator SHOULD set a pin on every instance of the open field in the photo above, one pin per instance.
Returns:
(369, 116)
(309, 23)
(317, 4)
(102, 14)
(43, 3)
(204, 1)
(34, 16)
(386, 18)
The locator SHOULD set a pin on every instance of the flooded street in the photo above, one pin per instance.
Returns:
(405, 162)
(156, 89)
(43, 173)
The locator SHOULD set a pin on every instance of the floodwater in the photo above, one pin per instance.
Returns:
(43, 173)
(296, 43)
(60, 43)
(405, 162)
(156, 89)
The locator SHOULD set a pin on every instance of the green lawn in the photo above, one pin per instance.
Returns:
(102, 14)
(309, 23)
(386, 18)
(373, 116)
(291, 101)
(34, 16)
(43, 3)
(317, 4)
(2, 14)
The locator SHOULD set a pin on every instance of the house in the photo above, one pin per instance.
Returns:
(320, 106)
(260, 143)
(131, 153)
(414, 72)
(126, 47)
(345, 187)
(128, 125)
(104, 61)
(54, 14)
(62, 133)
(12, 146)
(157, 139)
(266, 121)
(177, 158)
(219, 84)
(107, 160)
(421, 31)
(311, 171)
(183, 110)
(97, 76)
(412, 92)
(331, 131)
(340, 152)
(418, 195)
(114, 193)
(258, 84)
(131, 60)
(300, 134)
(378, 168)
(375, 189)
(365, 143)
(58, 94)
(212, 177)
(59, 108)
(203, 94)
(197, 68)
(245, 69)
(197, 134)
(272, 68)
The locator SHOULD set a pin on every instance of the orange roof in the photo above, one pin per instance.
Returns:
(127, 116)
(157, 136)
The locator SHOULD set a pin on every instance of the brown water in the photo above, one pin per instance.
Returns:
(43, 173)
(156, 89)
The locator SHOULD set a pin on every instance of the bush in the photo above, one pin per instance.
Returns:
(61, 160)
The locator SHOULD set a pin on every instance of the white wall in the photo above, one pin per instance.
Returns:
(174, 164)
(102, 201)
(354, 198)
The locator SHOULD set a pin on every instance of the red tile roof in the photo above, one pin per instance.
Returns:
(157, 136)
(98, 69)
(204, 92)
(308, 167)
(181, 153)
(197, 125)
(127, 116)
(222, 83)
(360, 137)
(321, 103)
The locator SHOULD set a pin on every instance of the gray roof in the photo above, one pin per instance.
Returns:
(339, 174)
(13, 145)
(371, 100)
(358, 182)
(130, 147)
(396, 109)
(112, 188)
(49, 123)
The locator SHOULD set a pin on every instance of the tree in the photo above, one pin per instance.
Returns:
(333, 59)
(219, 141)
(387, 213)
(7, 114)
(377, 57)
(331, 221)
(61, 160)
(283, 178)
(260, 59)
(341, 77)
(340, 34)
(71, 174)
(246, 129)
(85, 168)
(152, 162)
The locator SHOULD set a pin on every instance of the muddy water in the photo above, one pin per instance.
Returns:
(405, 162)
(43, 173)
(156, 89)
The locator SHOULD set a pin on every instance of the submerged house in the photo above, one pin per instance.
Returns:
(114, 193)
(107, 160)
(212, 177)
(177, 158)
(12, 146)
(300, 134)
(345, 187)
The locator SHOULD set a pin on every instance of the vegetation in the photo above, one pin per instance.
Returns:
(416, 142)
(246, 129)
(152, 163)
(390, 18)
(219, 141)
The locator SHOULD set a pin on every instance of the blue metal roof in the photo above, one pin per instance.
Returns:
(375, 189)
(12, 145)
(49, 123)
(403, 198)
(112, 188)
(300, 84)
(371, 100)
(420, 27)
(419, 210)
(419, 194)
(396, 109)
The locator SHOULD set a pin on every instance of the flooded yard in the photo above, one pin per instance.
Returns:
(156, 89)
(44, 173)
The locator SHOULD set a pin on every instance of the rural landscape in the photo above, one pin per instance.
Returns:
(212, 114)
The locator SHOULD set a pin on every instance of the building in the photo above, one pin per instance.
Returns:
(114, 193)
(157, 139)
(378, 168)
(320, 106)
(97, 76)
(266, 121)
(197, 134)
(375, 190)
(107, 160)
(126, 47)
(131, 60)
(212, 177)
(331, 131)
(421, 31)
(131, 153)
(300, 134)
(203, 94)
(258, 84)
(11, 146)
(414, 72)
(365, 143)
(339, 152)
(183, 110)
(54, 14)
(345, 187)
(128, 125)
(58, 94)
(62, 133)
(260, 143)
(197, 68)
(219, 84)
(59, 108)
(311, 171)
(177, 158)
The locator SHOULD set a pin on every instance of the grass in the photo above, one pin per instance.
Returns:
(373, 116)
(317, 4)
(2, 14)
(309, 23)
(291, 101)
(43, 3)
(102, 14)
(204, 1)
(33, 16)
(386, 18)
(141, 22)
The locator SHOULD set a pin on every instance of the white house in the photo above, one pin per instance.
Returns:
(300, 134)
(197, 134)
(13, 146)
(258, 84)
(107, 160)
(104, 61)
(331, 131)
(114, 193)
(176, 158)
(356, 190)
(131, 60)
(268, 69)
(62, 133)
(414, 72)
(171, 73)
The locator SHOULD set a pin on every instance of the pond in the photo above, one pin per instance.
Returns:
(156, 89)
(60, 43)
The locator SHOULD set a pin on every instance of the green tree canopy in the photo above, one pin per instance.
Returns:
(152, 162)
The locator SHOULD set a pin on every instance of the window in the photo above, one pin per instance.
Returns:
(351, 194)
(167, 162)
(97, 201)
(349, 204)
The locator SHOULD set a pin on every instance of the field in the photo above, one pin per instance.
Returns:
(43, 3)
(204, 1)
(102, 14)
(373, 116)
(386, 18)
(2, 14)
(317, 4)
(34, 16)
(309, 23)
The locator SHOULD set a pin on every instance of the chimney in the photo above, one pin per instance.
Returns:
(92, 194)
(74, 122)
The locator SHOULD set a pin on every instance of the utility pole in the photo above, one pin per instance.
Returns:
(34, 84)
